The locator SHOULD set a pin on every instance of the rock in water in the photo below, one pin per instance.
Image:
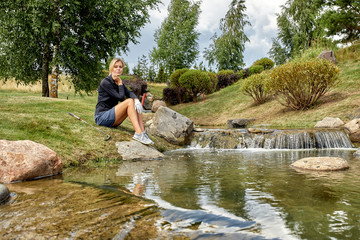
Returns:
(321, 164)
(4, 193)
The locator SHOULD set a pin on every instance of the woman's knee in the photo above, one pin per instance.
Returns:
(130, 102)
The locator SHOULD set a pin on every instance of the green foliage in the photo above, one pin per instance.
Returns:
(195, 81)
(255, 87)
(342, 18)
(176, 39)
(255, 69)
(349, 53)
(267, 63)
(214, 82)
(175, 76)
(226, 78)
(299, 85)
(226, 51)
(87, 33)
(298, 26)
(161, 77)
(141, 68)
(225, 72)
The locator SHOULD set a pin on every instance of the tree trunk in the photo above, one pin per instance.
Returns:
(45, 71)
(54, 76)
(54, 82)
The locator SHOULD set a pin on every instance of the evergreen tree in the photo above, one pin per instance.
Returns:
(176, 39)
(226, 51)
(141, 68)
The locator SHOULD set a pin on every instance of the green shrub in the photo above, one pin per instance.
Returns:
(174, 77)
(176, 95)
(214, 82)
(298, 85)
(226, 78)
(225, 72)
(195, 81)
(255, 69)
(267, 63)
(241, 73)
(255, 87)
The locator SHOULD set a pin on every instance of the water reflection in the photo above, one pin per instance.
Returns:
(257, 188)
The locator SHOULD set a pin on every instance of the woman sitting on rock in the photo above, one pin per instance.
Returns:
(116, 102)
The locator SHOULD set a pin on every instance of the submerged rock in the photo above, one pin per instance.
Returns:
(23, 160)
(4, 193)
(321, 164)
(133, 150)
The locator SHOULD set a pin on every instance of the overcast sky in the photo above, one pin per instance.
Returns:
(261, 15)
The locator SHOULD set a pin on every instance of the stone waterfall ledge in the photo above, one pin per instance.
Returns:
(321, 164)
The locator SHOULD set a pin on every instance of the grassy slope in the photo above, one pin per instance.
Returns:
(230, 103)
(24, 114)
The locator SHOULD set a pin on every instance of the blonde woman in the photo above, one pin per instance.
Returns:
(116, 102)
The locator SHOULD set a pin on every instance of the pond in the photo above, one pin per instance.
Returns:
(195, 194)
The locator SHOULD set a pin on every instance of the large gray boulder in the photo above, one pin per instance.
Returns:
(329, 122)
(133, 150)
(23, 160)
(171, 126)
(4, 193)
(321, 164)
(353, 128)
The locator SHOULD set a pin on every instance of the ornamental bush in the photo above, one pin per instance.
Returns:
(195, 82)
(214, 82)
(255, 69)
(226, 78)
(267, 63)
(176, 95)
(299, 85)
(174, 77)
(137, 86)
(255, 87)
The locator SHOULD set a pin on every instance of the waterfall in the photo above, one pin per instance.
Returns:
(275, 139)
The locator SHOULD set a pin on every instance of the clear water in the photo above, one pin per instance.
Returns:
(234, 194)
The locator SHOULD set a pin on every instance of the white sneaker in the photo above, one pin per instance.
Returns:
(142, 138)
(145, 132)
